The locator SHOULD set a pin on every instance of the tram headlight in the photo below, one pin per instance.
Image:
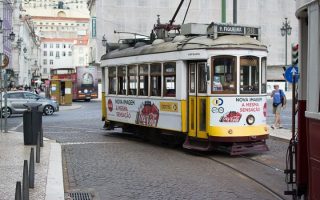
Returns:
(250, 119)
(79, 92)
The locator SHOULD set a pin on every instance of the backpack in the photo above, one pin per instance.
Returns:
(282, 95)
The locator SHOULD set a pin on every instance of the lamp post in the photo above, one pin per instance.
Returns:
(285, 31)
(105, 43)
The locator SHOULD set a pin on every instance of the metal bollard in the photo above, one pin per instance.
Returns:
(18, 191)
(41, 137)
(38, 149)
(31, 169)
(25, 181)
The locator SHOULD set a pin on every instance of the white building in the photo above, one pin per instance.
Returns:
(63, 28)
(139, 16)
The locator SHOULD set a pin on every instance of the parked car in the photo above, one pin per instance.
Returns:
(17, 99)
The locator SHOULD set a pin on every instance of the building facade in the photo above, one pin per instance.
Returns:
(139, 16)
(63, 28)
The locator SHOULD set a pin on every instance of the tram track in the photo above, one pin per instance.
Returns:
(236, 164)
(264, 175)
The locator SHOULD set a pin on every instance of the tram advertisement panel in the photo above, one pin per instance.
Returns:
(235, 111)
(164, 114)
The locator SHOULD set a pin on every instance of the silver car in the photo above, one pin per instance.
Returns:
(17, 99)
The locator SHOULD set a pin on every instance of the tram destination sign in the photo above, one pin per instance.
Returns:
(222, 28)
(238, 30)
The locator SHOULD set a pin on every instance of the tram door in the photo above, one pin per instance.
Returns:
(197, 100)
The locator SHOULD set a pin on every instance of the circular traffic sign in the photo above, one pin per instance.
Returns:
(293, 70)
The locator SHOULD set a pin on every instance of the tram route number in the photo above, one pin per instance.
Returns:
(217, 110)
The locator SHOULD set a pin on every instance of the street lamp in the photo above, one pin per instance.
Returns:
(285, 31)
(105, 43)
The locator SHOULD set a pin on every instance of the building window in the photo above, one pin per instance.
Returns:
(69, 46)
(169, 79)
(57, 45)
(51, 62)
(45, 53)
(44, 45)
(57, 54)
(63, 53)
(51, 53)
(70, 53)
(51, 45)
(155, 75)
(45, 70)
(224, 74)
(64, 46)
(44, 61)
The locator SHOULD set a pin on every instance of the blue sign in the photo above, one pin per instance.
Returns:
(94, 27)
(288, 75)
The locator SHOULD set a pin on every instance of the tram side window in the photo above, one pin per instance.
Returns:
(249, 75)
(155, 75)
(122, 83)
(112, 80)
(264, 75)
(143, 79)
(132, 79)
(169, 78)
(224, 75)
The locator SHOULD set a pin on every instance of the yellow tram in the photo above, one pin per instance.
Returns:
(209, 88)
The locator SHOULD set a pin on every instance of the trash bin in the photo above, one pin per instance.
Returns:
(32, 123)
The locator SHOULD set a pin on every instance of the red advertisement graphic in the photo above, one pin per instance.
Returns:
(148, 114)
(110, 105)
(231, 116)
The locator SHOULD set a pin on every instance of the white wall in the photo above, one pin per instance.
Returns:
(129, 16)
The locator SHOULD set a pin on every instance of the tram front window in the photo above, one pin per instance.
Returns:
(263, 75)
(249, 75)
(224, 75)
(112, 80)
(122, 83)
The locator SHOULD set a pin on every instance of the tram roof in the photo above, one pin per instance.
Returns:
(189, 43)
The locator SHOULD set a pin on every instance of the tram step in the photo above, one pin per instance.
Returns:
(199, 145)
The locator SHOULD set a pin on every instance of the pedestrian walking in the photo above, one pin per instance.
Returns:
(278, 104)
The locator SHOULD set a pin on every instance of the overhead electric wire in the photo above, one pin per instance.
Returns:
(185, 15)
